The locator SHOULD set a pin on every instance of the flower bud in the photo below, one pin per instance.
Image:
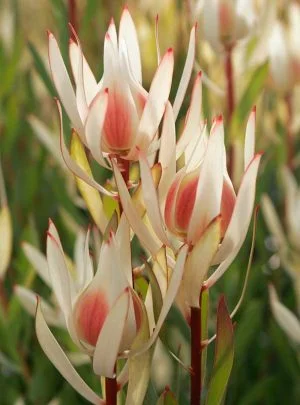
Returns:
(181, 200)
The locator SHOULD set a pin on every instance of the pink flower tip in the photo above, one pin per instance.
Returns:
(254, 109)
(219, 119)
(106, 90)
(156, 18)
(49, 33)
(170, 50)
(125, 8)
(111, 21)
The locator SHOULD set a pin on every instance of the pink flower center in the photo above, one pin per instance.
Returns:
(118, 124)
(178, 217)
(90, 313)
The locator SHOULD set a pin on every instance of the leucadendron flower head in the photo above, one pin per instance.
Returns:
(102, 310)
(104, 316)
(196, 206)
(226, 22)
(115, 115)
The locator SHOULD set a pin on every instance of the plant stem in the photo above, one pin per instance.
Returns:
(230, 101)
(73, 14)
(196, 356)
(124, 166)
(289, 133)
(111, 390)
(3, 297)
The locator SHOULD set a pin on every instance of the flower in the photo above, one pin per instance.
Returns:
(283, 50)
(115, 115)
(227, 21)
(102, 310)
(195, 198)
(96, 304)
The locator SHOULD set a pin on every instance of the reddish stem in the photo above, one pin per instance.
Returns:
(3, 296)
(230, 101)
(73, 14)
(289, 133)
(111, 390)
(196, 356)
(124, 166)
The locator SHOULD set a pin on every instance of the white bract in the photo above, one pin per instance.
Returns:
(198, 204)
(226, 22)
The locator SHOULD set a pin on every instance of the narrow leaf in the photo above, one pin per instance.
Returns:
(223, 360)
(90, 195)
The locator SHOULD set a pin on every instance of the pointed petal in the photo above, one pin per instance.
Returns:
(59, 274)
(156, 101)
(38, 261)
(27, 299)
(285, 318)
(47, 138)
(196, 148)
(124, 248)
(73, 166)
(210, 185)
(110, 276)
(186, 75)
(193, 120)
(63, 84)
(132, 215)
(81, 101)
(151, 200)
(112, 32)
(127, 32)
(239, 223)
(58, 358)
(167, 155)
(90, 84)
(84, 265)
(199, 261)
(104, 360)
(110, 57)
(94, 126)
(249, 147)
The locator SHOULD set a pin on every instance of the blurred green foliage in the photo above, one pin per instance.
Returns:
(266, 368)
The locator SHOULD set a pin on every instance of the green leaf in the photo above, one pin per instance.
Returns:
(167, 398)
(248, 99)
(139, 366)
(41, 69)
(223, 360)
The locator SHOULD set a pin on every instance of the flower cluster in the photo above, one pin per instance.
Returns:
(183, 208)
